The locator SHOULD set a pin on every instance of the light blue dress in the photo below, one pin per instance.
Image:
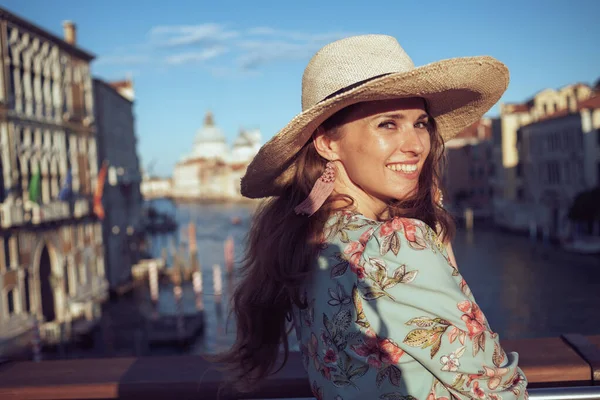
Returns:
(389, 317)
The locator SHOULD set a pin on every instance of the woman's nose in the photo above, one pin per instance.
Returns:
(413, 142)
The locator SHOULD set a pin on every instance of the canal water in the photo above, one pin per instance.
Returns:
(526, 290)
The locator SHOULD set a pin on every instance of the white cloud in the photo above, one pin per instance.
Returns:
(256, 52)
(195, 56)
(184, 35)
(176, 45)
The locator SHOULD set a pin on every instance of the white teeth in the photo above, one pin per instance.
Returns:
(407, 168)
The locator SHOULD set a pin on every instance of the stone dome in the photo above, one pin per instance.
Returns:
(210, 142)
(209, 133)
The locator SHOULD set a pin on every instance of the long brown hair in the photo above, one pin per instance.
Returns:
(281, 249)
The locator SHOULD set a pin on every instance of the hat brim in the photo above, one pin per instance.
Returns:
(458, 91)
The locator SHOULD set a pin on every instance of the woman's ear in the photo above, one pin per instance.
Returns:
(325, 145)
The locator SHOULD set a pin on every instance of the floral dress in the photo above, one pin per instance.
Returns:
(389, 317)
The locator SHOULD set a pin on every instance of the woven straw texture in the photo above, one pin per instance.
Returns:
(458, 91)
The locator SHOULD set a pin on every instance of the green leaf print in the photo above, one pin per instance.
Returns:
(380, 271)
(396, 396)
(344, 237)
(373, 294)
(417, 337)
(361, 319)
(421, 322)
(381, 374)
(359, 371)
(395, 375)
(426, 337)
(342, 320)
(328, 325)
(390, 242)
(339, 269)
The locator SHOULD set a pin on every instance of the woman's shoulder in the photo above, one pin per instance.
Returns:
(354, 234)
(347, 226)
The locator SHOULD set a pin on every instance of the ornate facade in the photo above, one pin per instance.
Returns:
(558, 156)
(508, 185)
(51, 251)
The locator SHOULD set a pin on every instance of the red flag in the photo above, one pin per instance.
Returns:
(98, 208)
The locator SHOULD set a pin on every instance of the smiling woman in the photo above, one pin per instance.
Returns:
(353, 247)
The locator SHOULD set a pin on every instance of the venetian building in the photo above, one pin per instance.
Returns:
(558, 157)
(122, 199)
(508, 184)
(51, 250)
(212, 171)
(469, 168)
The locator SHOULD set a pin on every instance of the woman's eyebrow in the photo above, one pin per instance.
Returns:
(398, 116)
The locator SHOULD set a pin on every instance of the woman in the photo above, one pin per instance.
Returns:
(353, 246)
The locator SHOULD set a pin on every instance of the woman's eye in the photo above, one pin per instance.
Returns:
(421, 125)
(387, 125)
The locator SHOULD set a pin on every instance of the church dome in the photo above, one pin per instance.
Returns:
(209, 133)
(210, 142)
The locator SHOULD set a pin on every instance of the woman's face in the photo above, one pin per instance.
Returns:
(381, 148)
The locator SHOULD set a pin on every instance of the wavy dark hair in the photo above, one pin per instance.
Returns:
(282, 247)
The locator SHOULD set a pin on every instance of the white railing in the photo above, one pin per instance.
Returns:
(53, 211)
(11, 214)
(50, 333)
(81, 208)
(566, 393)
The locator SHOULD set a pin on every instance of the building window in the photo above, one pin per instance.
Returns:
(77, 96)
(553, 172)
(4, 260)
(11, 301)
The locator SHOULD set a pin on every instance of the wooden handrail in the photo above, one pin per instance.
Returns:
(546, 362)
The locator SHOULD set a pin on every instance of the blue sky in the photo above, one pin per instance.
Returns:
(243, 60)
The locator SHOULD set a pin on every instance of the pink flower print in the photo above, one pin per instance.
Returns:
(354, 250)
(364, 238)
(377, 350)
(358, 270)
(330, 357)
(477, 391)
(450, 362)
(473, 317)
(432, 397)
(465, 288)
(390, 352)
(312, 350)
(326, 372)
(391, 226)
(410, 229)
(455, 333)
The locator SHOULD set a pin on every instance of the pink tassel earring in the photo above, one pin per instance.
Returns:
(319, 193)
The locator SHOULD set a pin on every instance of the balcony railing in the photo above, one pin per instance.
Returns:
(557, 368)
(81, 208)
(47, 212)
(11, 215)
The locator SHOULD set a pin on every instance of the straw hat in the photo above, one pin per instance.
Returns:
(458, 92)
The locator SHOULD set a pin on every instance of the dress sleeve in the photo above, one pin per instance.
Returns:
(410, 294)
